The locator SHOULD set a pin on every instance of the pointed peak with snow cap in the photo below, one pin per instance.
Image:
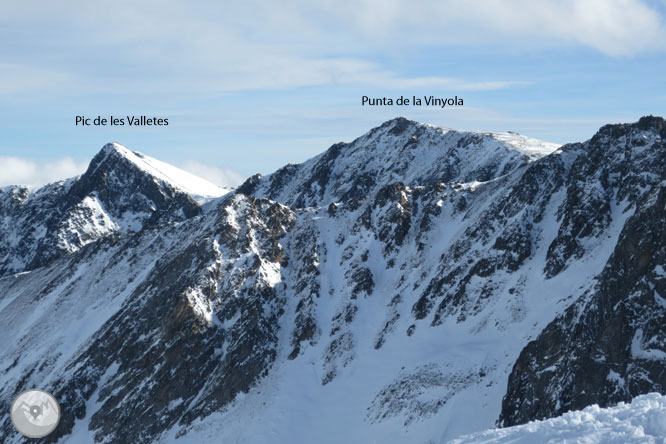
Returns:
(114, 154)
(122, 191)
(115, 147)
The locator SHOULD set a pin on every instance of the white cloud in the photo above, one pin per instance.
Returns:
(151, 46)
(21, 171)
(223, 177)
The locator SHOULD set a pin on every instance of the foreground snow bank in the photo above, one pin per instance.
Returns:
(641, 421)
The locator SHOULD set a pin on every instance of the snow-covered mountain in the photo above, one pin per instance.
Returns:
(414, 285)
(397, 151)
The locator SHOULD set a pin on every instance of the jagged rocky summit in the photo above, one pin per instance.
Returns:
(414, 285)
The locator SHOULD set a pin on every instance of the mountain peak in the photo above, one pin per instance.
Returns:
(531, 147)
(398, 125)
(114, 155)
(653, 124)
(115, 147)
(398, 150)
(116, 150)
(121, 191)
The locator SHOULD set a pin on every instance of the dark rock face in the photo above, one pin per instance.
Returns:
(618, 164)
(306, 255)
(610, 345)
(109, 176)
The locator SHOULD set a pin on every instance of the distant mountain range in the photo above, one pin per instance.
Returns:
(414, 285)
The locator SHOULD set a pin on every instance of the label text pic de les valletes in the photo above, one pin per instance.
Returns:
(414, 101)
(121, 121)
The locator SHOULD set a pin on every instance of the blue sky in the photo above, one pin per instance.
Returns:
(250, 86)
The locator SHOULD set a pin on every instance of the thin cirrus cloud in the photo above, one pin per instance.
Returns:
(311, 72)
(18, 78)
(153, 46)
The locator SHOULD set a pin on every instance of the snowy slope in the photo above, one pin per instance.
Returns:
(371, 363)
(641, 421)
